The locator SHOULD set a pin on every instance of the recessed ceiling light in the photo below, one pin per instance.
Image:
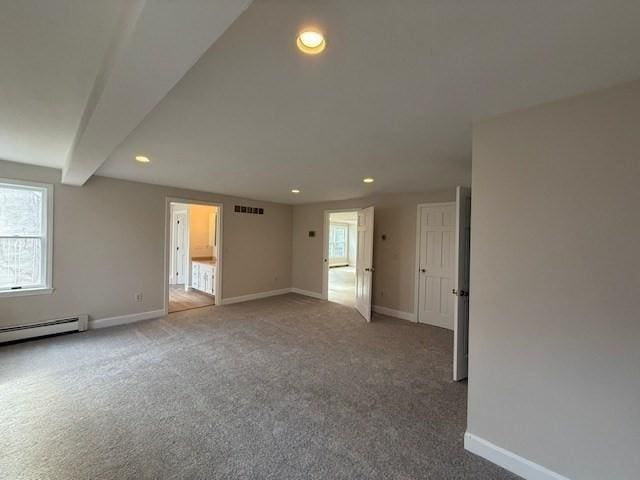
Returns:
(295, 190)
(368, 180)
(311, 42)
(142, 159)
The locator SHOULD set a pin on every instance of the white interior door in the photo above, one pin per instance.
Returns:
(461, 289)
(436, 264)
(179, 248)
(364, 262)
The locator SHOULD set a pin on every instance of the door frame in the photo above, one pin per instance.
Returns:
(325, 248)
(416, 288)
(167, 245)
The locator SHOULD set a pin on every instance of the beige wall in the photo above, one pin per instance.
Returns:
(109, 243)
(394, 258)
(555, 284)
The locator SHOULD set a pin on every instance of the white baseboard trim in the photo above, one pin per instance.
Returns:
(124, 319)
(395, 313)
(307, 293)
(255, 296)
(508, 460)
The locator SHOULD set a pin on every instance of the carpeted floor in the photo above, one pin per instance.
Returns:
(282, 388)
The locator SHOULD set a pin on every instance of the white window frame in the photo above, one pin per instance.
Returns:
(332, 227)
(47, 222)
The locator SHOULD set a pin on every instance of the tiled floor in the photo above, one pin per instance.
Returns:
(342, 285)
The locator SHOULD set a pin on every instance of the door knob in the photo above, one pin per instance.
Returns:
(423, 270)
(454, 291)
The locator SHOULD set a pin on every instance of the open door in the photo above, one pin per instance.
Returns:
(180, 251)
(364, 262)
(461, 284)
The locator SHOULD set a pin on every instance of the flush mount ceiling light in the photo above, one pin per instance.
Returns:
(311, 42)
(295, 190)
(142, 159)
(368, 180)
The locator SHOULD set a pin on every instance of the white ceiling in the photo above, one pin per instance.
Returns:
(50, 54)
(393, 96)
(78, 77)
(155, 44)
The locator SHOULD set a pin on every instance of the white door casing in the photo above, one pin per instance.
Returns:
(364, 262)
(461, 300)
(436, 250)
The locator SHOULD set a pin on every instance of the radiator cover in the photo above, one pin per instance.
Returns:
(48, 327)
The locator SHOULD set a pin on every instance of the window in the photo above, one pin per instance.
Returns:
(25, 237)
(338, 235)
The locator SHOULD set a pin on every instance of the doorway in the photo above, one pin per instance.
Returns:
(442, 271)
(342, 250)
(194, 255)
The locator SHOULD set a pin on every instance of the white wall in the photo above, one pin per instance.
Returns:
(109, 243)
(555, 284)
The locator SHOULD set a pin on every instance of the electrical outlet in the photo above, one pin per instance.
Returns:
(138, 297)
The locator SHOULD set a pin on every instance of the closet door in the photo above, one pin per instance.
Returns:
(437, 262)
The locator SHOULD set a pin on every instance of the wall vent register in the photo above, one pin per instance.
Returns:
(254, 210)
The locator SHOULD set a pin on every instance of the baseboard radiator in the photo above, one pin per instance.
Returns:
(77, 323)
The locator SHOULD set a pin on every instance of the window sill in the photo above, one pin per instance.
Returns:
(26, 292)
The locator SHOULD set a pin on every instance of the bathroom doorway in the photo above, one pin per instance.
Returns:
(193, 277)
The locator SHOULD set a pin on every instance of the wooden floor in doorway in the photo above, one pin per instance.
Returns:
(180, 300)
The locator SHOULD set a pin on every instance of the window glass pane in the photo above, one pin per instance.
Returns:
(20, 262)
(337, 241)
(20, 211)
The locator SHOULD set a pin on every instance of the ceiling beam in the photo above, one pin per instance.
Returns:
(156, 43)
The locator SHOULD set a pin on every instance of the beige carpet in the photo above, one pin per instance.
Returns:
(283, 388)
